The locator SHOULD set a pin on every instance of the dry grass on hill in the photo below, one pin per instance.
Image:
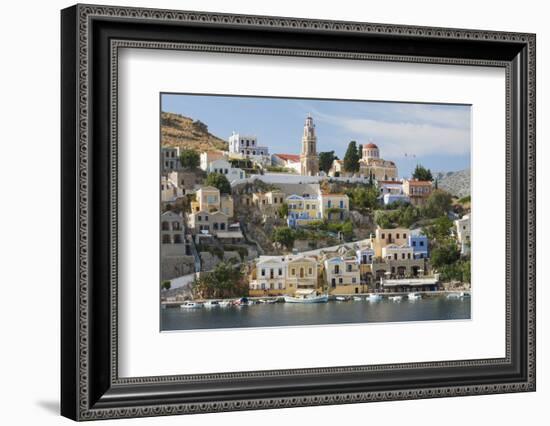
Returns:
(186, 133)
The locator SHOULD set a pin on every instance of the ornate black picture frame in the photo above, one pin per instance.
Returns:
(91, 36)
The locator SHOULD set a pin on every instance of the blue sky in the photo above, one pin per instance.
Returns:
(434, 135)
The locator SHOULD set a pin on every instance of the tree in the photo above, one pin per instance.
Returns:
(351, 159)
(166, 285)
(422, 173)
(325, 160)
(283, 210)
(225, 280)
(363, 197)
(440, 229)
(217, 180)
(438, 203)
(445, 254)
(382, 219)
(284, 236)
(189, 159)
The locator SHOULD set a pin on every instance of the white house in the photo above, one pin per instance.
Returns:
(224, 167)
(246, 145)
(463, 233)
(170, 158)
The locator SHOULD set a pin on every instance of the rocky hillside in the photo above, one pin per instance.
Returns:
(186, 133)
(456, 183)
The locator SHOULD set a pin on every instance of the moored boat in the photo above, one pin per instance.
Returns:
(395, 298)
(211, 304)
(224, 303)
(342, 298)
(306, 296)
(190, 305)
(414, 296)
(374, 298)
(357, 298)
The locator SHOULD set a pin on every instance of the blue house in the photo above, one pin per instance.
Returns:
(419, 243)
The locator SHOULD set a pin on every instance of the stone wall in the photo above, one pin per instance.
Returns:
(176, 266)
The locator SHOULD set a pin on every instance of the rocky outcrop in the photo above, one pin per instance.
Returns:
(455, 183)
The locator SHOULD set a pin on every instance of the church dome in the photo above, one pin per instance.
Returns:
(371, 145)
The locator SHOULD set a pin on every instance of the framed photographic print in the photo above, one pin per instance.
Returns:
(264, 212)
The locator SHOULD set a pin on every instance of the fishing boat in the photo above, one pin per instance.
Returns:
(395, 298)
(306, 296)
(341, 298)
(414, 296)
(357, 298)
(224, 303)
(211, 304)
(271, 301)
(190, 305)
(374, 298)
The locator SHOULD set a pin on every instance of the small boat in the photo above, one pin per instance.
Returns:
(302, 296)
(263, 301)
(211, 304)
(252, 302)
(414, 296)
(341, 298)
(271, 301)
(455, 295)
(224, 303)
(395, 298)
(191, 305)
(357, 298)
(374, 298)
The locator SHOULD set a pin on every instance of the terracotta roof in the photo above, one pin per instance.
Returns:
(289, 157)
(420, 182)
(371, 145)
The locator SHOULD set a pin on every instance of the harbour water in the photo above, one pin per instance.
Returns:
(429, 308)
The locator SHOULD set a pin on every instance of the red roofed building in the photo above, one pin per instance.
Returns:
(289, 161)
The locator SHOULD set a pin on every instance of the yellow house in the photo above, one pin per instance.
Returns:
(226, 205)
(207, 199)
(384, 237)
(302, 210)
(302, 273)
(334, 206)
(271, 198)
(343, 275)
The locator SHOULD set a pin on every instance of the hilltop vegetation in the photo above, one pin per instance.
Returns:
(186, 133)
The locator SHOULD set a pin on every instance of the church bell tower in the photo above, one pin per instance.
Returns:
(309, 161)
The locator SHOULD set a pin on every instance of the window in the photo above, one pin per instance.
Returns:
(293, 272)
(165, 226)
(310, 271)
(383, 236)
(333, 282)
(199, 218)
(206, 218)
(414, 244)
(348, 267)
(421, 243)
(341, 204)
(280, 286)
(404, 235)
(395, 256)
(222, 226)
(280, 271)
(166, 239)
(215, 226)
(336, 269)
(353, 280)
(263, 272)
(340, 280)
(402, 255)
(329, 203)
(408, 255)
